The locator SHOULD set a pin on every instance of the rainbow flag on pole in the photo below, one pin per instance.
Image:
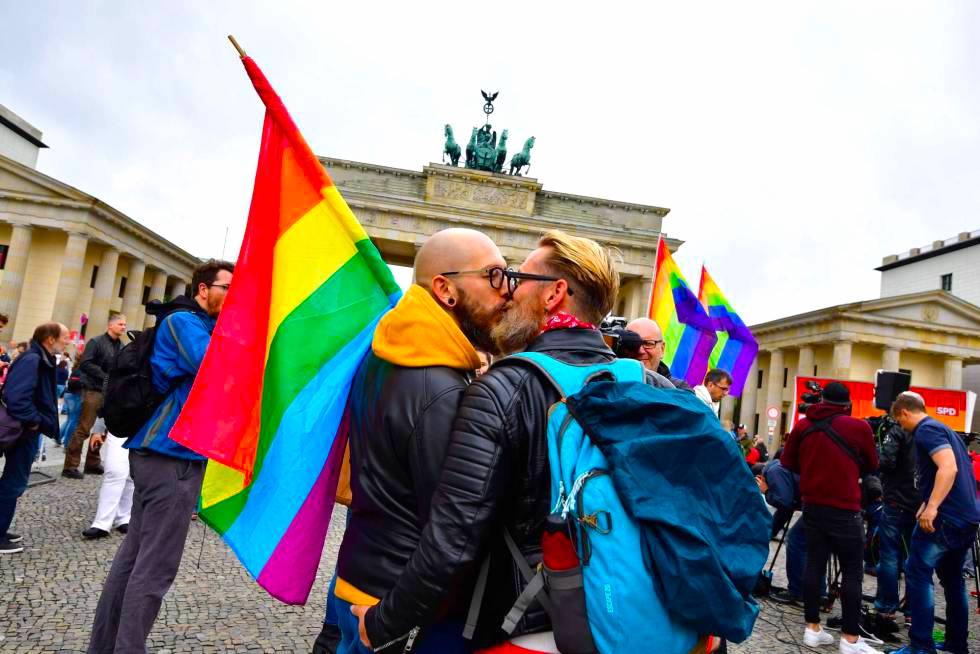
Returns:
(688, 331)
(268, 405)
(736, 347)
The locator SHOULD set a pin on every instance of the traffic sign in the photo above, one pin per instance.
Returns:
(772, 413)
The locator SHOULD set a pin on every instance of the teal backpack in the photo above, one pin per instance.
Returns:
(608, 602)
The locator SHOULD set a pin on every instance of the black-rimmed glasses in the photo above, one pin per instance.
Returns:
(496, 275)
(514, 279)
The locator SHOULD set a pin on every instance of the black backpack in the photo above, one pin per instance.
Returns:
(130, 397)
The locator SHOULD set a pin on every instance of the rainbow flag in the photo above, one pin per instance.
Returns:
(689, 334)
(268, 405)
(736, 347)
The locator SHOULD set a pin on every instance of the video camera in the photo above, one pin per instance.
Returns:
(810, 398)
(624, 343)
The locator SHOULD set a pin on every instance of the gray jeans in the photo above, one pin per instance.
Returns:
(166, 492)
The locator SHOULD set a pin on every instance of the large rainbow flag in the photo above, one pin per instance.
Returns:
(689, 334)
(736, 347)
(268, 405)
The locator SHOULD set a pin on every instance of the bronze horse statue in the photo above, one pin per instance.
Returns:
(501, 152)
(522, 158)
(452, 147)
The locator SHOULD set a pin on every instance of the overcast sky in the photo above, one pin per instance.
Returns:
(795, 145)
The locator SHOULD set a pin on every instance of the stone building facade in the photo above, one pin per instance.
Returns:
(951, 265)
(65, 254)
(931, 334)
(400, 208)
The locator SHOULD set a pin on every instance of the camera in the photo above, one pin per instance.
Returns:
(624, 343)
(810, 398)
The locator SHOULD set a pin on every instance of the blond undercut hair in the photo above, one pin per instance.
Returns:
(589, 270)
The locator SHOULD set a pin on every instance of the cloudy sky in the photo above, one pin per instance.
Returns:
(795, 145)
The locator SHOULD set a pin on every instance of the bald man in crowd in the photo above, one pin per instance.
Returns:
(652, 349)
(403, 401)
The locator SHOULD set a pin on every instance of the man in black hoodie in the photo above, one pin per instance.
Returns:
(901, 501)
(98, 356)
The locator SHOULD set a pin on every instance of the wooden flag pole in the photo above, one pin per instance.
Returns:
(237, 47)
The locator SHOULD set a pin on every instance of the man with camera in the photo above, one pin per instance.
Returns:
(946, 526)
(832, 452)
(900, 503)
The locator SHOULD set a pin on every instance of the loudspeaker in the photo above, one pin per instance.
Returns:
(888, 386)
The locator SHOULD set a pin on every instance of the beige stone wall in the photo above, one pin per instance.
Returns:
(93, 255)
(927, 369)
(122, 270)
(40, 282)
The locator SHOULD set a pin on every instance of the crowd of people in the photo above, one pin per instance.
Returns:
(459, 538)
(914, 485)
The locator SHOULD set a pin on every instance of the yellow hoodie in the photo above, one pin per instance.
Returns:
(418, 333)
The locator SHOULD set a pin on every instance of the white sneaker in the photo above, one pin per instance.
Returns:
(860, 647)
(816, 638)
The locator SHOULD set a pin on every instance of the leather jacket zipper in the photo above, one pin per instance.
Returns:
(411, 636)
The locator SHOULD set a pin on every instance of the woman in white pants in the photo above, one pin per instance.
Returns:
(116, 493)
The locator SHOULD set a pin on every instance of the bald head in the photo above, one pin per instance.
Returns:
(646, 328)
(652, 351)
(453, 249)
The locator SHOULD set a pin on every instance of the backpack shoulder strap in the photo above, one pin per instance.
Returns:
(825, 426)
(569, 378)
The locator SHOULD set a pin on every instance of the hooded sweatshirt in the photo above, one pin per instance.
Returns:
(403, 402)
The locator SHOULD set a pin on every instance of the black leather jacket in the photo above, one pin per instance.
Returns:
(401, 420)
(99, 353)
(896, 468)
(496, 476)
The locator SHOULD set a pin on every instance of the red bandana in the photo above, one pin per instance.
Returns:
(565, 320)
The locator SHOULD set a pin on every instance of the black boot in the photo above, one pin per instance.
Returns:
(328, 641)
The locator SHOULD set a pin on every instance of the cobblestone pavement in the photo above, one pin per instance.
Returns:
(49, 592)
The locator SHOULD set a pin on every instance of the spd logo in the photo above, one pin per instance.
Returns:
(946, 411)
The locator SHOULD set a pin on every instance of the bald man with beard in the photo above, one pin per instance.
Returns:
(403, 402)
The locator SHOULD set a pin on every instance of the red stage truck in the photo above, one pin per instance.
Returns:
(953, 408)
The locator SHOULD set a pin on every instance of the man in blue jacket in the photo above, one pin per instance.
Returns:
(167, 476)
(30, 398)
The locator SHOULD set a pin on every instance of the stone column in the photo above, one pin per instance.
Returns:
(805, 366)
(953, 373)
(13, 275)
(70, 281)
(134, 292)
(747, 413)
(157, 290)
(774, 394)
(105, 286)
(180, 287)
(890, 358)
(727, 409)
(841, 367)
(644, 288)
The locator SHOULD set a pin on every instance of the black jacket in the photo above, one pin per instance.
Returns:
(896, 467)
(99, 353)
(30, 393)
(400, 422)
(664, 371)
(496, 476)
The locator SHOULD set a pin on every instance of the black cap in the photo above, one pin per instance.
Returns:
(836, 393)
